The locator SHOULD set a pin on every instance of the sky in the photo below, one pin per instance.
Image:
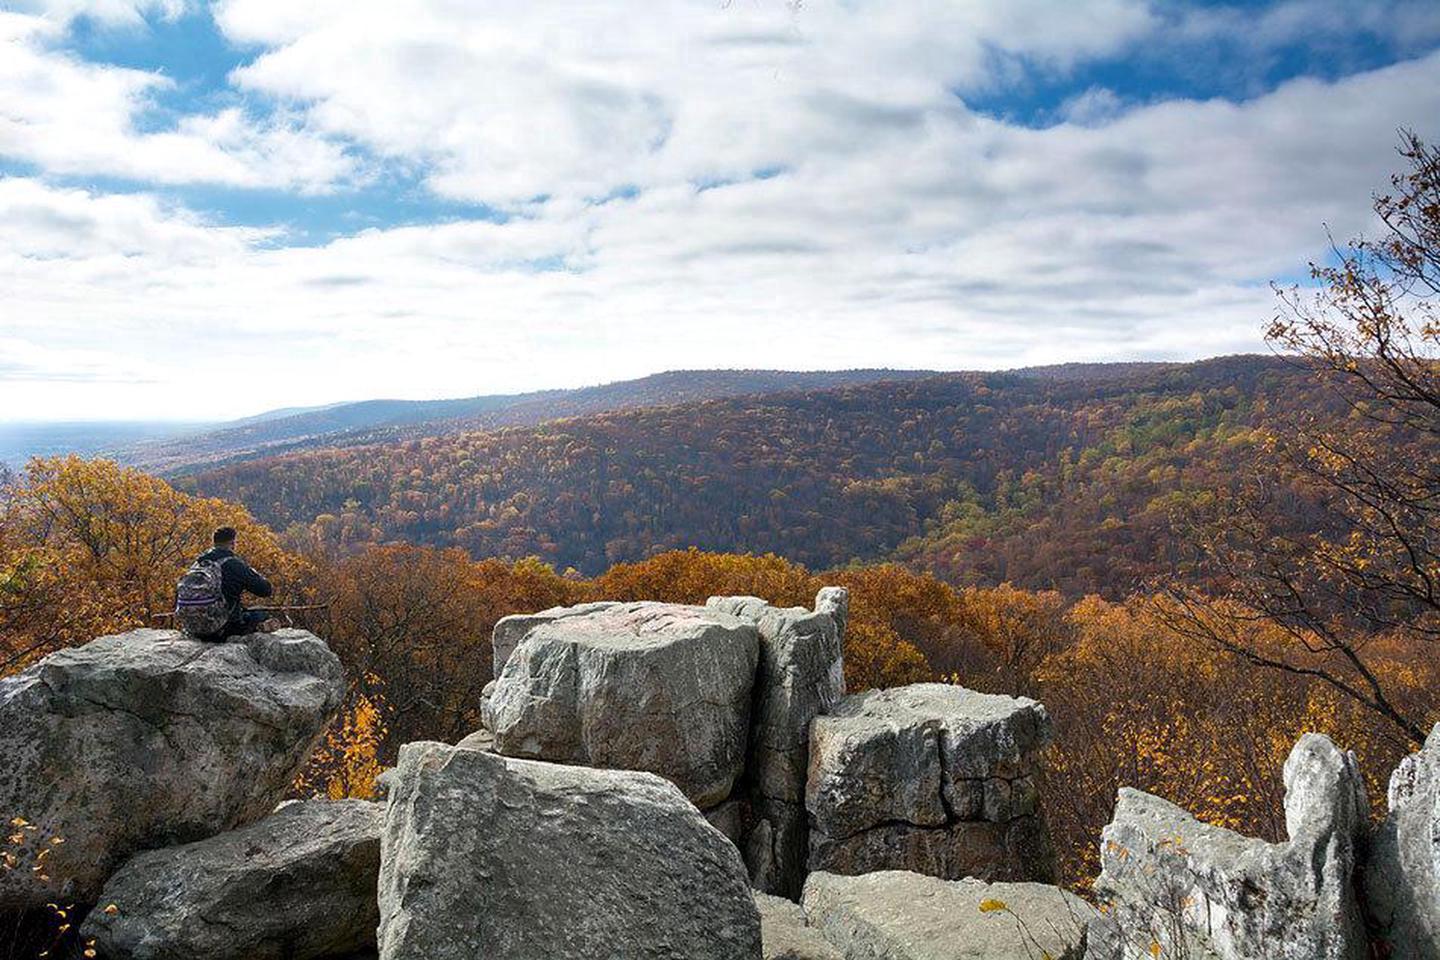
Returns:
(209, 210)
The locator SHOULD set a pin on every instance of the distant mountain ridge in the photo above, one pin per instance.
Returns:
(178, 449)
(375, 421)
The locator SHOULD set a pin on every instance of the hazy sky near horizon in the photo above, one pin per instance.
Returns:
(210, 210)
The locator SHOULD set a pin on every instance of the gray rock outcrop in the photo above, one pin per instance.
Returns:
(635, 686)
(899, 915)
(1401, 875)
(298, 884)
(785, 933)
(485, 856)
(509, 631)
(1237, 897)
(800, 676)
(147, 739)
(932, 778)
(836, 602)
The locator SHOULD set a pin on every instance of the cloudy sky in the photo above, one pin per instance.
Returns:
(206, 211)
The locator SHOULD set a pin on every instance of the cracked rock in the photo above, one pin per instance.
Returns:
(800, 676)
(509, 631)
(147, 739)
(932, 778)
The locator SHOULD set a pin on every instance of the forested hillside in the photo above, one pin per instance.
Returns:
(377, 421)
(1046, 481)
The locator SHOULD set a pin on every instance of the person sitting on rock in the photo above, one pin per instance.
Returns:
(238, 578)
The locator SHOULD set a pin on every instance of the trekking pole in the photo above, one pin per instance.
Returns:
(289, 608)
(292, 608)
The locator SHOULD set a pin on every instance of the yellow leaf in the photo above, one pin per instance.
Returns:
(990, 906)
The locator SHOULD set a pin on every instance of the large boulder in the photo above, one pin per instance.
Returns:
(296, 885)
(1401, 875)
(632, 686)
(800, 676)
(899, 915)
(1168, 876)
(786, 934)
(484, 856)
(148, 739)
(932, 778)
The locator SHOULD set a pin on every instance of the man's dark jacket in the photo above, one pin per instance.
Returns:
(236, 578)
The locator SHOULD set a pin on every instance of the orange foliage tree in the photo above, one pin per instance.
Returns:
(1137, 703)
(412, 626)
(1369, 338)
(88, 547)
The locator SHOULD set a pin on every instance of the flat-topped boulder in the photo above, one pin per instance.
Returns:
(296, 885)
(800, 676)
(485, 856)
(1237, 897)
(933, 778)
(660, 687)
(509, 631)
(1401, 875)
(899, 915)
(148, 739)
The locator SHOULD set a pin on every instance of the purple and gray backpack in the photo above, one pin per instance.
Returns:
(200, 607)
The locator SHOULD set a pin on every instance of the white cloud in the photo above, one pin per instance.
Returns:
(512, 100)
(122, 13)
(894, 226)
(40, 222)
(1411, 24)
(69, 116)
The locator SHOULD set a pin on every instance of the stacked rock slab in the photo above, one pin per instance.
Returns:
(931, 778)
(800, 676)
(898, 915)
(1401, 875)
(1171, 878)
(296, 885)
(484, 856)
(147, 739)
(632, 686)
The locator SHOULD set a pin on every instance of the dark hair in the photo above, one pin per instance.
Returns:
(224, 535)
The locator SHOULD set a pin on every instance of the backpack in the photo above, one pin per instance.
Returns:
(200, 607)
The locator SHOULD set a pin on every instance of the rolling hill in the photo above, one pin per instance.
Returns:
(375, 421)
(1064, 481)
